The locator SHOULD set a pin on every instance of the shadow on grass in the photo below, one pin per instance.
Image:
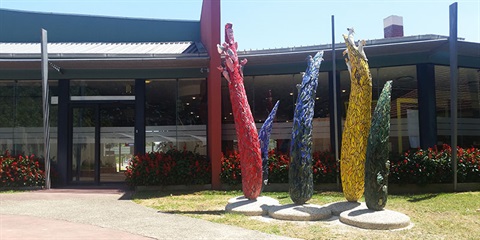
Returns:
(422, 197)
(142, 195)
(159, 194)
(211, 212)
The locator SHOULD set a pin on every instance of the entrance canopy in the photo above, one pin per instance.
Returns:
(81, 60)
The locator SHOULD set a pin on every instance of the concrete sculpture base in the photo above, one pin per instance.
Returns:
(355, 214)
(363, 217)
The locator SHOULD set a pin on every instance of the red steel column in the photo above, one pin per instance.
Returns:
(210, 36)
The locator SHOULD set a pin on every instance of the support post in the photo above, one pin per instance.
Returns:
(46, 124)
(427, 117)
(63, 131)
(335, 102)
(453, 87)
(139, 141)
(210, 36)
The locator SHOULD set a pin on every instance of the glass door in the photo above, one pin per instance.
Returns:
(83, 157)
(116, 141)
(102, 141)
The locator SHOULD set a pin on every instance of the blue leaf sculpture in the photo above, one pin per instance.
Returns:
(300, 175)
(264, 136)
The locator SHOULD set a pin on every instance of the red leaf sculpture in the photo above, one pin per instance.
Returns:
(247, 135)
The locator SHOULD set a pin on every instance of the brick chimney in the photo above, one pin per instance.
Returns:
(393, 26)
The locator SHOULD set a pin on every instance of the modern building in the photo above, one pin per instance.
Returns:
(122, 86)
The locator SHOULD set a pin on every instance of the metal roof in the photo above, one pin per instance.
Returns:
(24, 26)
(409, 40)
(13, 50)
(429, 45)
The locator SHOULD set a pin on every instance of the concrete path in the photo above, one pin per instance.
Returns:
(101, 214)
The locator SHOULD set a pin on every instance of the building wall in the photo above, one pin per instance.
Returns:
(177, 112)
(195, 113)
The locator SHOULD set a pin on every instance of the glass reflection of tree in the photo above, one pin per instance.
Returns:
(21, 106)
(159, 114)
(7, 114)
(185, 114)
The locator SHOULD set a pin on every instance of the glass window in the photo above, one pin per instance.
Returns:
(21, 118)
(404, 123)
(7, 115)
(161, 99)
(403, 102)
(176, 114)
(268, 90)
(28, 130)
(117, 87)
(468, 106)
(192, 115)
(321, 117)
(262, 93)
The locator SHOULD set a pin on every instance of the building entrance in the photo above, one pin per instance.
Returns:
(102, 141)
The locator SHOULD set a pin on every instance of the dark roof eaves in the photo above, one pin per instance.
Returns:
(90, 56)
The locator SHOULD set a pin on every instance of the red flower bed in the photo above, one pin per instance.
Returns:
(434, 165)
(324, 168)
(21, 171)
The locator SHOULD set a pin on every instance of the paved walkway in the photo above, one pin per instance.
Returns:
(101, 214)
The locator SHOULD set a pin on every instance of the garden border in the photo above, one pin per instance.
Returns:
(282, 187)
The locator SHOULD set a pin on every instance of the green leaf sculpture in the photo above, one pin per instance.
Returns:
(377, 164)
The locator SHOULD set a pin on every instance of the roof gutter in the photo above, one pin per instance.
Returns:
(102, 56)
(328, 47)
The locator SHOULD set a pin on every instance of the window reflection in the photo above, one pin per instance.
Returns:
(21, 117)
(404, 98)
(176, 114)
(468, 106)
(118, 87)
(262, 93)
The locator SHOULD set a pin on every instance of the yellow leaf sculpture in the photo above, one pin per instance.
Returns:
(357, 125)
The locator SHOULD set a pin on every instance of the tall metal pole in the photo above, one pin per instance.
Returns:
(46, 125)
(453, 88)
(335, 114)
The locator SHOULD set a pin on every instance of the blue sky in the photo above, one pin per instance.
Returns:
(262, 24)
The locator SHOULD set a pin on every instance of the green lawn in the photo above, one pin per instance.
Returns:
(435, 216)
